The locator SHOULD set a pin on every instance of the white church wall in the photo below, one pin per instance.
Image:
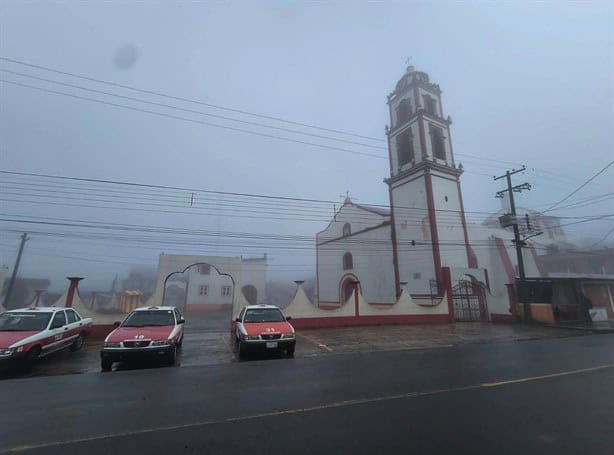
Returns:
(372, 266)
(452, 248)
(412, 223)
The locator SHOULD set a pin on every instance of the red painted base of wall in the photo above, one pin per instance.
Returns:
(501, 317)
(199, 308)
(100, 331)
(352, 321)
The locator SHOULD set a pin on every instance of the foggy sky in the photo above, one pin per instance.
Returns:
(523, 82)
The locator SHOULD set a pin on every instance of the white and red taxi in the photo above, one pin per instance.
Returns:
(30, 333)
(155, 331)
(263, 328)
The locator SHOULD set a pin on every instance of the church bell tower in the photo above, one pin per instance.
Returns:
(428, 220)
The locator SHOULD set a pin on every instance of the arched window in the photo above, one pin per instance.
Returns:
(348, 261)
(405, 147)
(403, 112)
(347, 229)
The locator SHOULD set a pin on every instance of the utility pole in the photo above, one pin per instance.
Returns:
(9, 289)
(511, 190)
(514, 222)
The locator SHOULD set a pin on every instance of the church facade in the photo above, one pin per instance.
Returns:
(405, 247)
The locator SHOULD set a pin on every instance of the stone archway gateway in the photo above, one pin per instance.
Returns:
(171, 264)
(250, 293)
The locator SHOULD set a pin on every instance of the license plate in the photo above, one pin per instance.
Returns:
(271, 344)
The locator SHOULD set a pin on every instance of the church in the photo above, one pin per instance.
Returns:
(384, 252)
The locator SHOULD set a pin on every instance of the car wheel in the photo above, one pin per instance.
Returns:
(242, 350)
(290, 352)
(106, 364)
(180, 342)
(33, 354)
(78, 343)
(172, 356)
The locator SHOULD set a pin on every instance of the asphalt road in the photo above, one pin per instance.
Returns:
(541, 396)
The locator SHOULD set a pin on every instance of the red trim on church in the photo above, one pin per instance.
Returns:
(433, 223)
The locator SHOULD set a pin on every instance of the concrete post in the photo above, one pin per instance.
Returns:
(356, 298)
(74, 284)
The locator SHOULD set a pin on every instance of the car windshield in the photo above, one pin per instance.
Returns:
(264, 315)
(149, 318)
(23, 322)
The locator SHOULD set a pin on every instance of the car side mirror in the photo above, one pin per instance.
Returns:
(238, 320)
(117, 323)
(181, 321)
(289, 318)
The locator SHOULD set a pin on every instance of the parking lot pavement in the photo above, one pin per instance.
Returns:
(208, 342)
(383, 338)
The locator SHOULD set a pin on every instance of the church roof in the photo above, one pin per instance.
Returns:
(378, 210)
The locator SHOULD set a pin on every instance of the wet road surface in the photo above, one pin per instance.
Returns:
(536, 396)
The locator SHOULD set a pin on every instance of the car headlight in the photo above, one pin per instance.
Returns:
(161, 343)
(7, 352)
(252, 337)
(112, 344)
(288, 335)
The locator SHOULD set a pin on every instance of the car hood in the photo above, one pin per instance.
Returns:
(147, 333)
(258, 328)
(9, 338)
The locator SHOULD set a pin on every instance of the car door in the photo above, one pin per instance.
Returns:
(58, 332)
(238, 323)
(179, 317)
(73, 322)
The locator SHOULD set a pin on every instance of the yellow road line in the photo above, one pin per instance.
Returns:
(314, 341)
(546, 376)
(325, 406)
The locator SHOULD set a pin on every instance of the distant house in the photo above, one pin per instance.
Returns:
(589, 263)
(24, 291)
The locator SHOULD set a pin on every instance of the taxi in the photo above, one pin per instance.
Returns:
(263, 328)
(31, 333)
(148, 332)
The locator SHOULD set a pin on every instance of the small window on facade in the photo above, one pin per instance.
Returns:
(417, 275)
(403, 110)
(204, 269)
(348, 261)
(438, 142)
(347, 229)
(203, 290)
(405, 148)
(226, 291)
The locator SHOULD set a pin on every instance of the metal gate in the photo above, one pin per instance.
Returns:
(468, 300)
